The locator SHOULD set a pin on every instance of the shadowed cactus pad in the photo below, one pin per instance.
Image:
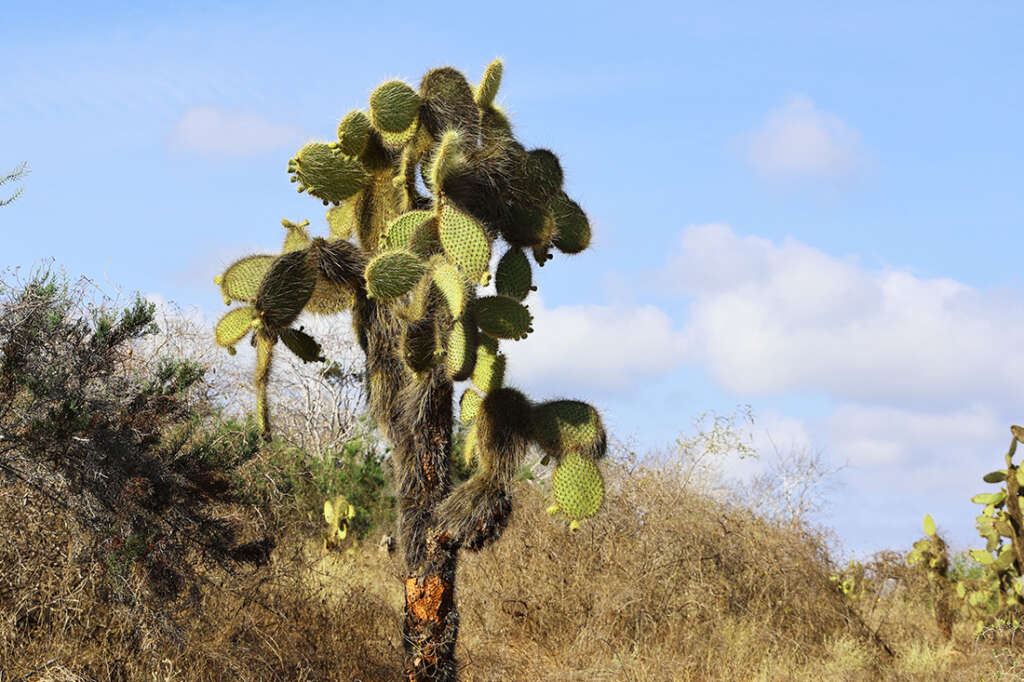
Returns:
(233, 327)
(285, 290)
(393, 273)
(572, 229)
(514, 277)
(465, 241)
(327, 174)
(543, 174)
(502, 317)
(353, 133)
(241, 281)
(563, 426)
(577, 486)
(302, 344)
(393, 106)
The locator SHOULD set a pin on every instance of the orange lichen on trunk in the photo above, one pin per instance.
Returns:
(429, 601)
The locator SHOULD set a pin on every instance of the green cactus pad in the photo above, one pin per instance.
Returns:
(995, 476)
(297, 238)
(353, 133)
(241, 281)
(929, 525)
(460, 349)
(397, 140)
(419, 341)
(341, 220)
(327, 174)
(233, 327)
(448, 102)
(452, 285)
(464, 241)
(502, 317)
(302, 344)
(572, 229)
(489, 371)
(990, 498)
(393, 273)
(469, 405)
(445, 159)
(513, 276)
(399, 232)
(488, 88)
(562, 426)
(286, 289)
(393, 106)
(543, 174)
(577, 486)
(527, 225)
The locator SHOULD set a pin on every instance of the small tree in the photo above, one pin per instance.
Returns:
(15, 175)
(410, 280)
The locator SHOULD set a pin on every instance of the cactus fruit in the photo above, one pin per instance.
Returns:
(326, 174)
(577, 486)
(502, 317)
(408, 267)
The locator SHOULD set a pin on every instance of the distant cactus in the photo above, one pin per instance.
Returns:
(998, 596)
(933, 555)
(410, 280)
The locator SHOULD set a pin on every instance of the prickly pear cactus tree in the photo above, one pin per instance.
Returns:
(932, 554)
(997, 598)
(408, 266)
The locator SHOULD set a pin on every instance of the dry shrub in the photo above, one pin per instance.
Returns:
(666, 583)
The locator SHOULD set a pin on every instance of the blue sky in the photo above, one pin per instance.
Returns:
(815, 211)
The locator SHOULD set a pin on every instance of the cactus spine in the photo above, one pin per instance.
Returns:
(407, 267)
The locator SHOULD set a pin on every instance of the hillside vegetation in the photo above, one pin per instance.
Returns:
(148, 533)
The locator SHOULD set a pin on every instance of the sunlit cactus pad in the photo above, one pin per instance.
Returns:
(568, 425)
(241, 280)
(327, 174)
(393, 273)
(577, 486)
(464, 241)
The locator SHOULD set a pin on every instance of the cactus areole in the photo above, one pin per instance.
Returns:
(407, 267)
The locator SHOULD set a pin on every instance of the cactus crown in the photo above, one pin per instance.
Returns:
(410, 276)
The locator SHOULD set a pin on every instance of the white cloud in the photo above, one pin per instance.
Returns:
(800, 140)
(591, 347)
(213, 131)
(769, 318)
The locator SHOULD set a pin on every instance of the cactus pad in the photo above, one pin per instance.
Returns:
(445, 160)
(329, 298)
(572, 230)
(233, 327)
(341, 220)
(460, 349)
(577, 486)
(452, 286)
(419, 341)
(425, 240)
(241, 281)
(286, 289)
(393, 106)
(327, 174)
(469, 405)
(353, 133)
(393, 273)
(488, 88)
(297, 238)
(502, 317)
(562, 426)
(302, 344)
(489, 371)
(543, 174)
(527, 225)
(399, 232)
(513, 276)
(448, 102)
(464, 241)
